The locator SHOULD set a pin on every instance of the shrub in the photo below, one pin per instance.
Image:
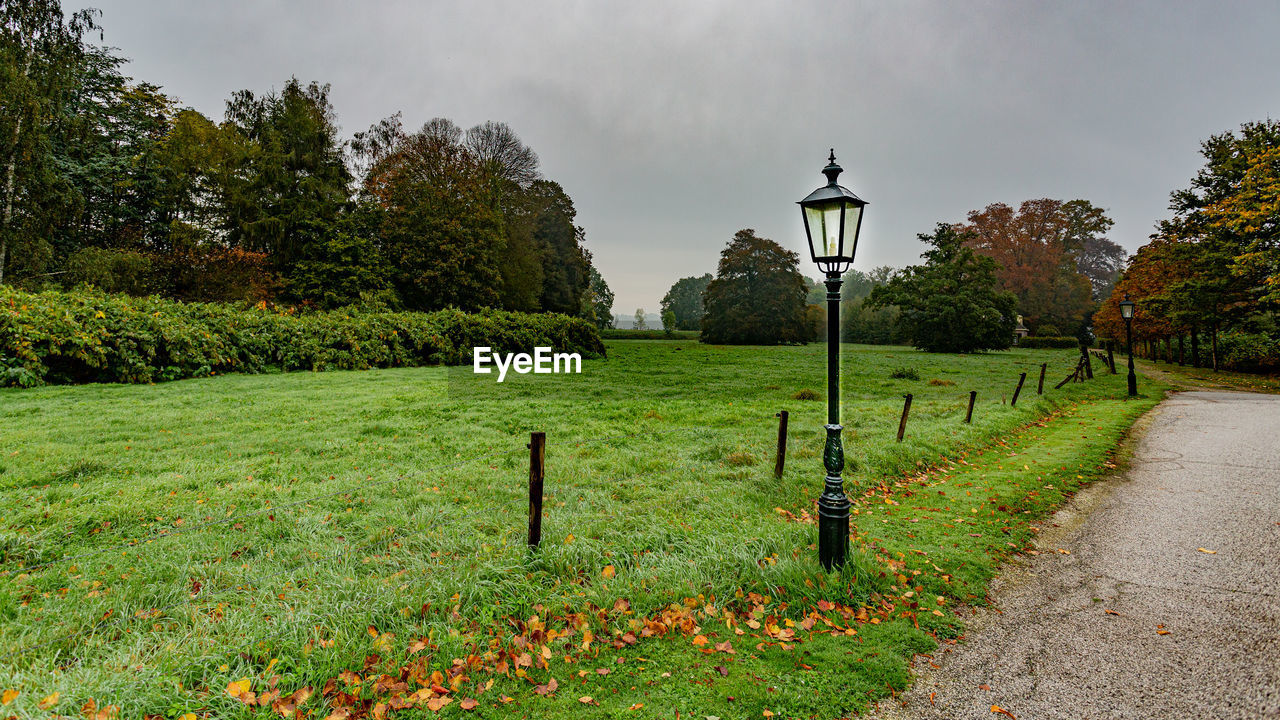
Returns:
(88, 336)
(620, 334)
(806, 394)
(1248, 352)
(1048, 342)
(941, 383)
(905, 373)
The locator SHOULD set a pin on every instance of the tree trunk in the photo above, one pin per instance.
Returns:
(1213, 334)
(1195, 347)
(1182, 350)
(9, 176)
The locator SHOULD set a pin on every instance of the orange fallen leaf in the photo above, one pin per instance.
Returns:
(468, 704)
(436, 703)
(636, 706)
(1208, 552)
(9, 696)
(700, 640)
(50, 701)
(236, 688)
(1002, 711)
(608, 571)
(586, 700)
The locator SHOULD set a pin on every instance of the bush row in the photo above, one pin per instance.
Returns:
(619, 334)
(88, 336)
(1041, 342)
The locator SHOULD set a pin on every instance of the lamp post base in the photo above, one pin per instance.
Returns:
(833, 506)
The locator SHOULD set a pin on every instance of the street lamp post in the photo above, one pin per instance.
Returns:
(832, 217)
(1126, 312)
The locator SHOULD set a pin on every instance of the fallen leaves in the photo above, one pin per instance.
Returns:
(1208, 552)
(468, 704)
(1002, 711)
(608, 572)
(9, 696)
(50, 701)
(548, 689)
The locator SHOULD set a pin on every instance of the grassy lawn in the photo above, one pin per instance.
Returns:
(163, 548)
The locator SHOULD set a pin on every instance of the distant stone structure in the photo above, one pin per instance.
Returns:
(1020, 331)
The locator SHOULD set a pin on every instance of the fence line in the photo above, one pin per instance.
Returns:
(14, 570)
(203, 597)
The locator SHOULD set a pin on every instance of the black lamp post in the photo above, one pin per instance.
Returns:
(1126, 312)
(832, 218)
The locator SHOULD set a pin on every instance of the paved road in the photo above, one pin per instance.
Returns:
(1206, 474)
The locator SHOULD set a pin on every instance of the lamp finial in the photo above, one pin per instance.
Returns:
(832, 170)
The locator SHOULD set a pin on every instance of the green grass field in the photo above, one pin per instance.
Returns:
(191, 546)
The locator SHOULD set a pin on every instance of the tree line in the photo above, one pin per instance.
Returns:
(1207, 283)
(1048, 262)
(111, 182)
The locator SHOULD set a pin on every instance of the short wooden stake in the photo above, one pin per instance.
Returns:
(906, 409)
(1088, 364)
(1021, 379)
(1040, 387)
(1111, 357)
(537, 457)
(782, 444)
(973, 395)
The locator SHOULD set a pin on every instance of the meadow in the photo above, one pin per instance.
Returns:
(348, 543)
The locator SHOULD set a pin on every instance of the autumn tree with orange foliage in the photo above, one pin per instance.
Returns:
(1053, 255)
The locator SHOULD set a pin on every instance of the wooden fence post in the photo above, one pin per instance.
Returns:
(537, 457)
(973, 395)
(1021, 379)
(1040, 387)
(782, 444)
(906, 409)
(1111, 357)
(1088, 364)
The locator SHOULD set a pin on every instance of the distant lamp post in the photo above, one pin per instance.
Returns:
(1126, 312)
(832, 218)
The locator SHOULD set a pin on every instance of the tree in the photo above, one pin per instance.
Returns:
(598, 302)
(684, 300)
(41, 51)
(668, 323)
(565, 263)
(951, 303)
(639, 320)
(295, 181)
(1038, 249)
(342, 268)
(102, 149)
(757, 296)
(440, 230)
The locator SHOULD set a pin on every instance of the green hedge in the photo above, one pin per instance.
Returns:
(88, 336)
(1048, 341)
(618, 334)
(1248, 352)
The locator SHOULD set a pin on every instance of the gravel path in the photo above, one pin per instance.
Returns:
(1168, 603)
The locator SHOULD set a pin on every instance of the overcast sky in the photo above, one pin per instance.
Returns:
(674, 124)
